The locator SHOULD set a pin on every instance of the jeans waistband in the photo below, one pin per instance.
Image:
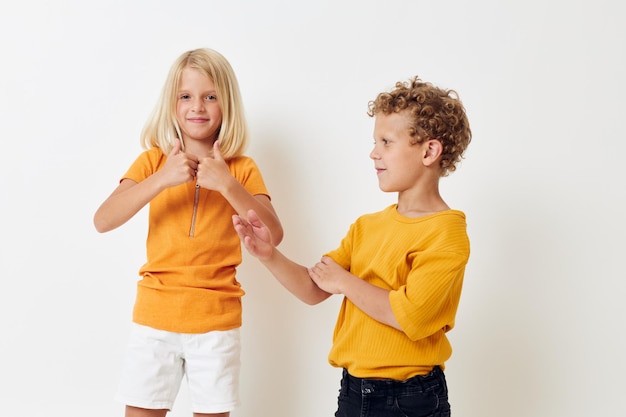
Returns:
(435, 373)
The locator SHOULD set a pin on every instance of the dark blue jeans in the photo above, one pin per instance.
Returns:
(420, 396)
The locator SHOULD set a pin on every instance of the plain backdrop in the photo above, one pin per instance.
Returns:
(540, 327)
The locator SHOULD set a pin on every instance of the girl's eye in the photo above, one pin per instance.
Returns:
(385, 141)
(211, 97)
(184, 96)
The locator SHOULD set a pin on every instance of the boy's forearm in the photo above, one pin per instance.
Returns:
(294, 277)
(372, 300)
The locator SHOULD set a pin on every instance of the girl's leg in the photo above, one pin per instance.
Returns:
(152, 372)
(212, 362)
(143, 412)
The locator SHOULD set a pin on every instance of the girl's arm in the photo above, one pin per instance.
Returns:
(256, 237)
(242, 201)
(213, 174)
(129, 197)
(124, 202)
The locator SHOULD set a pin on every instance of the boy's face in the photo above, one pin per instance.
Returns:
(398, 163)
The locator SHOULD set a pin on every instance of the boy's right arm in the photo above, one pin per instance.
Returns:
(294, 277)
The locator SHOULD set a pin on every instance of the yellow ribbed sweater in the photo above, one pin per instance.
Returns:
(422, 262)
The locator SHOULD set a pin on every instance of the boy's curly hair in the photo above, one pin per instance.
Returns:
(435, 113)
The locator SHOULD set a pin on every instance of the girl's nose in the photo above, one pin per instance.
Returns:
(198, 105)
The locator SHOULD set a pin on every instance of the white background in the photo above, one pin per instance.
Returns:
(540, 328)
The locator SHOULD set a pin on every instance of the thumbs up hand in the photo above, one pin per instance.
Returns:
(213, 172)
(179, 167)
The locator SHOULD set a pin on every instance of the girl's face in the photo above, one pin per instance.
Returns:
(198, 110)
(397, 161)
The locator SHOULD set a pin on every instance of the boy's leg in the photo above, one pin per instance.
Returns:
(424, 395)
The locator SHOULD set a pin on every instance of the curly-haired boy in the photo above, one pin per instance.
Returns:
(400, 270)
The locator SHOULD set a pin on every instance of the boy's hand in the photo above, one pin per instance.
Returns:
(255, 236)
(329, 275)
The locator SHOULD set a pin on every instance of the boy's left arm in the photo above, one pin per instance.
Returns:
(373, 300)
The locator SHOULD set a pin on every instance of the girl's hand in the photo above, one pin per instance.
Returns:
(255, 236)
(179, 167)
(213, 172)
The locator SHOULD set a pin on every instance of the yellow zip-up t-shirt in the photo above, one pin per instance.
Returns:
(421, 261)
(188, 282)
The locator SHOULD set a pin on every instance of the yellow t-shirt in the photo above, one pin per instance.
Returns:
(422, 262)
(188, 282)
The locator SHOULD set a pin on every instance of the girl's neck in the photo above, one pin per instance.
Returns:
(199, 149)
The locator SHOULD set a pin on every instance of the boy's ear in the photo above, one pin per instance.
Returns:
(432, 151)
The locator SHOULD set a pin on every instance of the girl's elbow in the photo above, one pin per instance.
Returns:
(98, 225)
(100, 228)
(101, 225)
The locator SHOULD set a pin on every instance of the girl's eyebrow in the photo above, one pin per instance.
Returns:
(183, 90)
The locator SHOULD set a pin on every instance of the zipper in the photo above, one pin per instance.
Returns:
(195, 211)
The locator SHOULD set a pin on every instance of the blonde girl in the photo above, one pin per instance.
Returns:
(195, 177)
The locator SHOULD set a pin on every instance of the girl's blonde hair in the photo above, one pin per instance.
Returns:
(162, 129)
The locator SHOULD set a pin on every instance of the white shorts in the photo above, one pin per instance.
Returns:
(156, 361)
